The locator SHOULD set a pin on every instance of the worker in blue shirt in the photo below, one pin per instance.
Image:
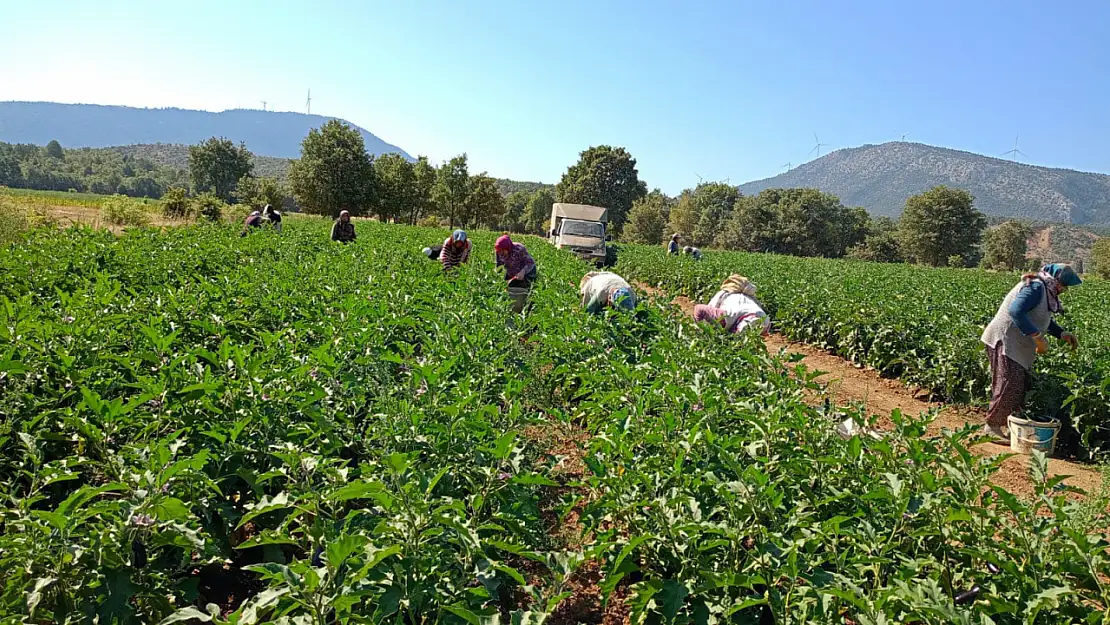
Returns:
(1016, 335)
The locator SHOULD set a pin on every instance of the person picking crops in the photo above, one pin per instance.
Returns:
(672, 247)
(692, 252)
(343, 230)
(254, 220)
(734, 307)
(272, 216)
(455, 250)
(600, 289)
(433, 252)
(520, 269)
(1015, 337)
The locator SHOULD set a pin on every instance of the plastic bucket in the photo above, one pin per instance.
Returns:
(519, 297)
(1027, 435)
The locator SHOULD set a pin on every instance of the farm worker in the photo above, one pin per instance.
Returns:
(1016, 335)
(520, 269)
(734, 307)
(672, 247)
(433, 252)
(343, 230)
(455, 250)
(254, 220)
(274, 217)
(692, 251)
(605, 288)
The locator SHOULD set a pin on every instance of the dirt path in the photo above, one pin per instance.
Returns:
(847, 382)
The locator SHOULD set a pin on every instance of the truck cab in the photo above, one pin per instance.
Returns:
(581, 229)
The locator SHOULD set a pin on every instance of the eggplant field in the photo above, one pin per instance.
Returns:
(917, 324)
(198, 427)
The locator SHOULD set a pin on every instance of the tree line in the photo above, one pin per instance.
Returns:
(940, 227)
(85, 170)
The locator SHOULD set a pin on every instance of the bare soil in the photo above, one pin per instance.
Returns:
(66, 216)
(848, 382)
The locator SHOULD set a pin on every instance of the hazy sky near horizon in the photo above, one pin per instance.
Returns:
(724, 90)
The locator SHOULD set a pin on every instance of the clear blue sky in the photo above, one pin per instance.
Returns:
(722, 89)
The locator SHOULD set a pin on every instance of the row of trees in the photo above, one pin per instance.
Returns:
(938, 227)
(52, 168)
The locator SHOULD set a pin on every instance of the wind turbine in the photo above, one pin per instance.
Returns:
(263, 104)
(904, 135)
(788, 166)
(700, 179)
(818, 145)
(1013, 154)
(308, 103)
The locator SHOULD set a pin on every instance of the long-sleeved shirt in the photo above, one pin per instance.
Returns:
(595, 291)
(517, 263)
(343, 231)
(1028, 298)
(672, 247)
(451, 255)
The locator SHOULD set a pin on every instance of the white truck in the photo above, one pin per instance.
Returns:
(581, 229)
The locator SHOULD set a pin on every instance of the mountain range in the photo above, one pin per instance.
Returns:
(881, 177)
(267, 133)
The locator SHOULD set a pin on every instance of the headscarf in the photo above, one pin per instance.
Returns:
(427, 252)
(1054, 276)
(674, 237)
(737, 283)
(621, 297)
(503, 244)
(344, 212)
(458, 236)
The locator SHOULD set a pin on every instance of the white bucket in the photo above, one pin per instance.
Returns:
(1027, 435)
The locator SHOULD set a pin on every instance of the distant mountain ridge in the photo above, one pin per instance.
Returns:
(266, 133)
(881, 177)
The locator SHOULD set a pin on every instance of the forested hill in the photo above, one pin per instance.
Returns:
(266, 133)
(881, 177)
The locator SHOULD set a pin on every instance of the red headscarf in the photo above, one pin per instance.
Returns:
(503, 244)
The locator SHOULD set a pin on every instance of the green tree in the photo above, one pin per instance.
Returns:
(258, 192)
(513, 221)
(880, 245)
(396, 190)
(484, 205)
(647, 221)
(939, 224)
(1100, 258)
(54, 150)
(424, 181)
(334, 172)
(451, 188)
(684, 216)
(537, 211)
(603, 176)
(10, 173)
(216, 165)
(714, 202)
(801, 222)
(1004, 246)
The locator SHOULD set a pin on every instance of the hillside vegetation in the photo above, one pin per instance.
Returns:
(881, 177)
(269, 133)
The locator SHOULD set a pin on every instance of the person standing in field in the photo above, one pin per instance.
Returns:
(343, 230)
(673, 247)
(455, 250)
(734, 307)
(605, 288)
(520, 269)
(272, 216)
(1015, 337)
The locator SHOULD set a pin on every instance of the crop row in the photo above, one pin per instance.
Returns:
(918, 324)
(343, 434)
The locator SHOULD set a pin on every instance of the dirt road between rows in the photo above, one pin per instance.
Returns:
(849, 383)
